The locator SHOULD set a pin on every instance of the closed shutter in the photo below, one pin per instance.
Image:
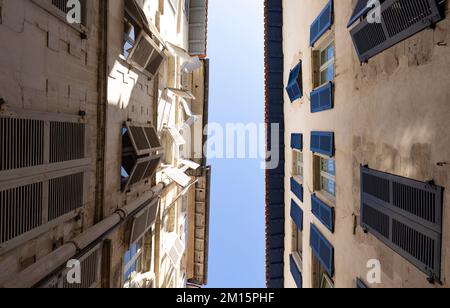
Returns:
(295, 83)
(322, 143)
(322, 23)
(47, 159)
(296, 273)
(91, 266)
(323, 250)
(323, 212)
(322, 98)
(297, 189)
(406, 215)
(400, 20)
(297, 141)
(198, 19)
(297, 215)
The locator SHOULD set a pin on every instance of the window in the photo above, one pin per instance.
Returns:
(321, 280)
(325, 172)
(297, 168)
(324, 63)
(139, 47)
(297, 241)
(133, 262)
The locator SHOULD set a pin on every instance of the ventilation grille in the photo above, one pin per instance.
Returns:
(20, 211)
(22, 143)
(400, 20)
(65, 195)
(66, 141)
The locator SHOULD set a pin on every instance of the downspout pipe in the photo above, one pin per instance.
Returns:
(48, 265)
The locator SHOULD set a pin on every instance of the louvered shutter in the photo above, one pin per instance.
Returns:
(406, 215)
(297, 141)
(322, 98)
(144, 168)
(360, 284)
(297, 215)
(297, 189)
(294, 87)
(322, 23)
(144, 139)
(143, 221)
(400, 20)
(323, 143)
(323, 212)
(198, 22)
(296, 273)
(323, 250)
(31, 147)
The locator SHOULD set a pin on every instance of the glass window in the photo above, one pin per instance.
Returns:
(297, 240)
(132, 262)
(320, 277)
(129, 38)
(328, 176)
(326, 64)
(297, 164)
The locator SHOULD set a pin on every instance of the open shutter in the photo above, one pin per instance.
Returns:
(322, 23)
(175, 249)
(400, 20)
(297, 141)
(323, 143)
(406, 215)
(361, 9)
(297, 215)
(297, 189)
(322, 98)
(189, 163)
(176, 136)
(178, 176)
(323, 212)
(360, 284)
(323, 250)
(294, 87)
(296, 273)
(182, 93)
(143, 169)
(143, 221)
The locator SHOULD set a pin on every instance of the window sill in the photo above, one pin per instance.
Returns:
(326, 197)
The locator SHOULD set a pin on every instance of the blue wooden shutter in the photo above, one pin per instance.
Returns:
(297, 189)
(322, 23)
(323, 143)
(361, 9)
(294, 87)
(322, 98)
(406, 215)
(401, 19)
(297, 215)
(360, 284)
(296, 273)
(297, 141)
(322, 249)
(323, 212)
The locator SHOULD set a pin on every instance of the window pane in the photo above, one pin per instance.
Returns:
(299, 242)
(328, 166)
(327, 74)
(327, 54)
(328, 185)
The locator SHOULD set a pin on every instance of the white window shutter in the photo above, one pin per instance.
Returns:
(178, 176)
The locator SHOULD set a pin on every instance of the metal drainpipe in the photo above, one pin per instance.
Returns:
(48, 265)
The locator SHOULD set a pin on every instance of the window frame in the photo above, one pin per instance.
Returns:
(296, 164)
(318, 66)
(324, 66)
(297, 238)
(319, 274)
(319, 174)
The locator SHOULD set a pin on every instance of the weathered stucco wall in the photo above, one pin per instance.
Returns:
(391, 114)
